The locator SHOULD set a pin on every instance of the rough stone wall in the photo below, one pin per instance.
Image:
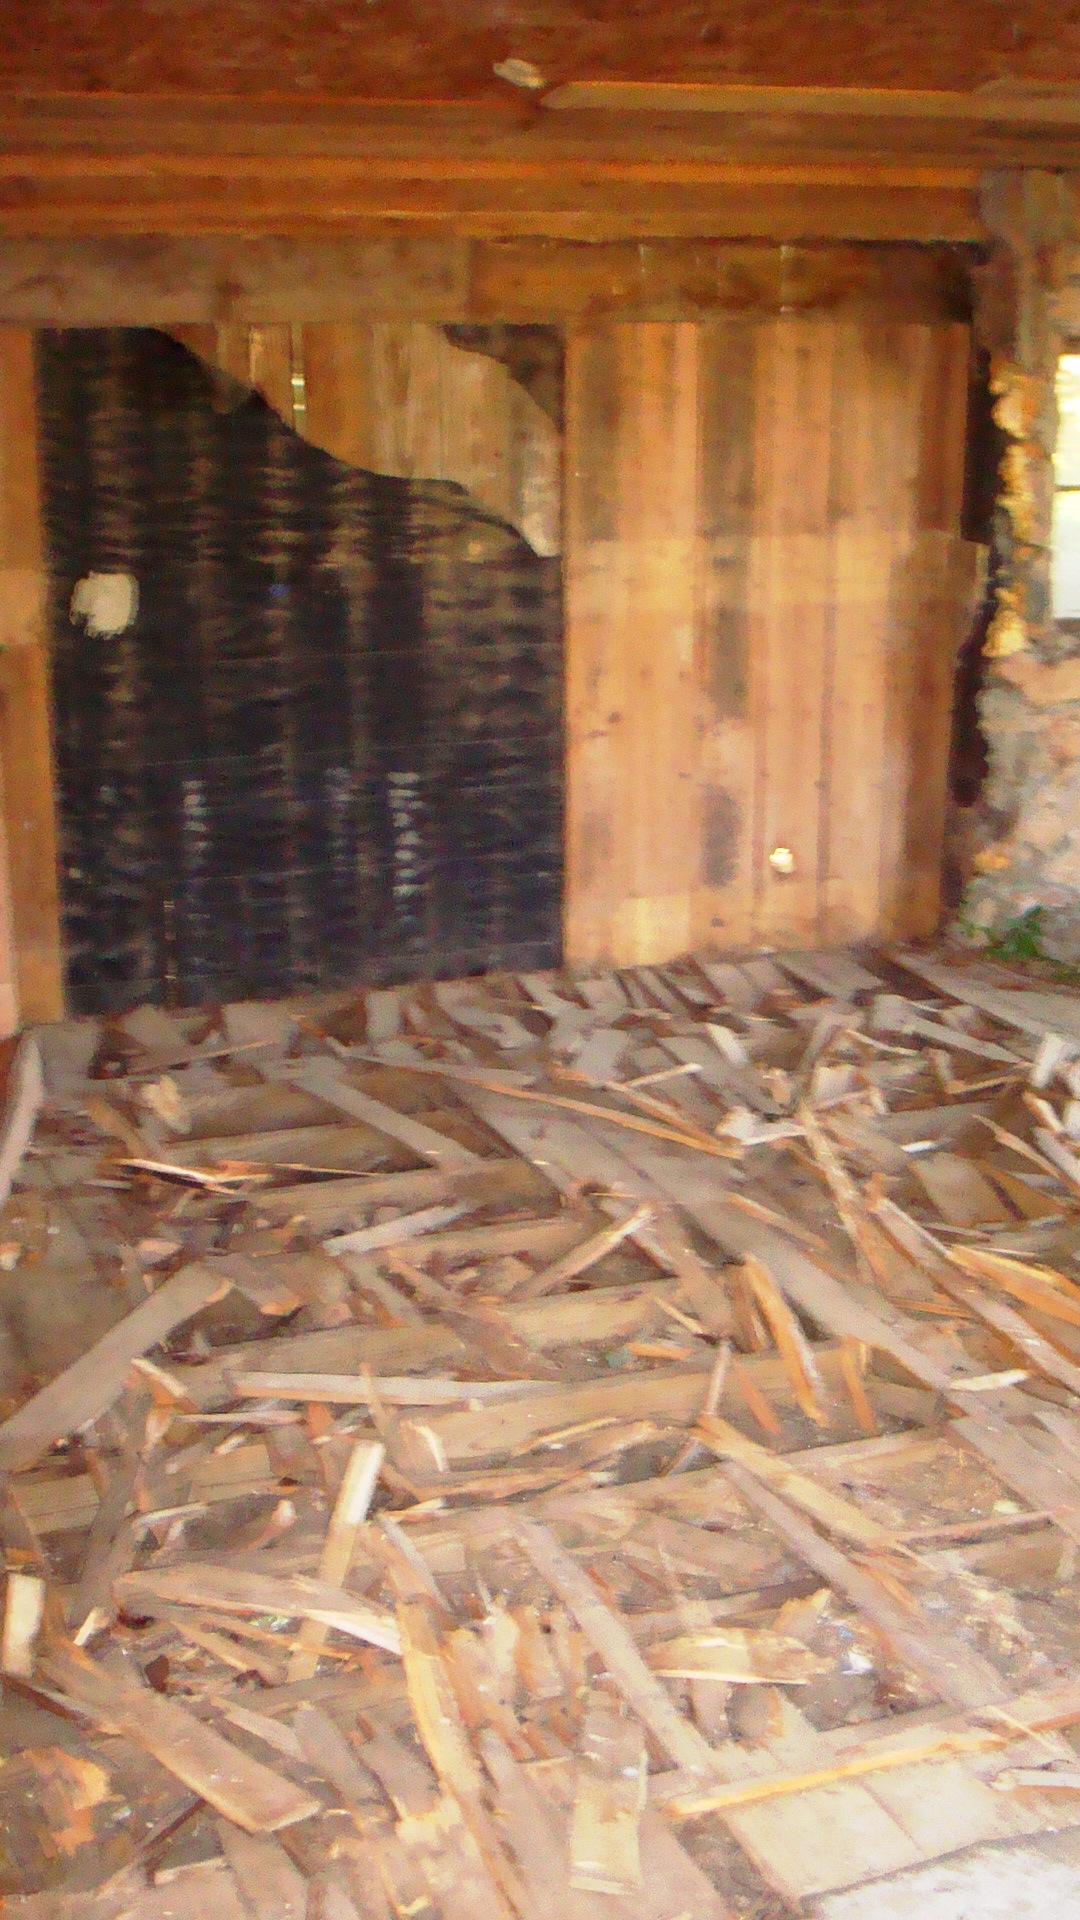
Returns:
(1028, 310)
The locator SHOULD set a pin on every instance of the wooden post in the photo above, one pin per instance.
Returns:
(31, 984)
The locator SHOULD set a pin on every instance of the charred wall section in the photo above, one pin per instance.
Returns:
(328, 750)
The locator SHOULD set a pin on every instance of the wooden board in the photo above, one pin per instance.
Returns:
(202, 281)
(400, 397)
(484, 195)
(30, 979)
(632, 483)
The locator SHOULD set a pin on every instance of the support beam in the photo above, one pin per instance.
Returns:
(29, 890)
(158, 281)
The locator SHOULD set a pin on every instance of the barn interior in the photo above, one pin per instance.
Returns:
(539, 947)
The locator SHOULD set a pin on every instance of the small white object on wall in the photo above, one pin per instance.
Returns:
(106, 603)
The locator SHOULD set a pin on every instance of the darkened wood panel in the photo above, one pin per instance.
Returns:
(765, 593)
(329, 748)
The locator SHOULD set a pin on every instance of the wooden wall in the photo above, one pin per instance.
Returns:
(765, 589)
(399, 397)
(764, 592)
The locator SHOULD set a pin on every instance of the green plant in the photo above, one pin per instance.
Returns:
(1022, 938)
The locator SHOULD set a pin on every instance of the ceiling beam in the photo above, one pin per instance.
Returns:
(171, 282)
(1010, 104)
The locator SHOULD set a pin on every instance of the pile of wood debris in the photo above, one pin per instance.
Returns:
(566, 1447)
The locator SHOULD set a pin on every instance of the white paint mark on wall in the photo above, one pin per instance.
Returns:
(106, 603)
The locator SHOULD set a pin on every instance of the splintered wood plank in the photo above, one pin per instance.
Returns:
(605, 1850)
(791, 588)
(439, 1724)
(234, 1590)
(92, 1383)
(841, 1517)
(24, 1608)
(328, 1083)
(632, 800)
(242, 1789)
(838, 975)
(270, 1884)
(26, 1091)
(672, 1885)
(953, 1669)
(606, 1633)
(350, 1511)
(1034, 1012)
(509, 1425)
(961, 1194)
(873, 1750)
(536, 1831)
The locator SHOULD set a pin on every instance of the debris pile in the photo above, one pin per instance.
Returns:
(555, 1446)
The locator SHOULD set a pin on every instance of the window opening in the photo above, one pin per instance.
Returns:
(1065, 534)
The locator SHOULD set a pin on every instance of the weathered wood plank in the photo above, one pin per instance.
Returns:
(29, 896)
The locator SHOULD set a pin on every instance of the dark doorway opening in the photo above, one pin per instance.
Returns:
(328, 748)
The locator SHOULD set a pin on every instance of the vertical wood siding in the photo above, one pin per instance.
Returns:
(765, 591)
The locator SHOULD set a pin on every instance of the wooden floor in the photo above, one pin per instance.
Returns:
(561, 1446)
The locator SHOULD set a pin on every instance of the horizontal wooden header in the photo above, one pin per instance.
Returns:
(173, 282)
(83, 167)
(581, 123)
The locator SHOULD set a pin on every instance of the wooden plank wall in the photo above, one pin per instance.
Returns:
(399, 397)
(765, 588)
(31, 982)
(764, 592)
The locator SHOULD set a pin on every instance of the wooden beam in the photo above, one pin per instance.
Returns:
(1000, 105)
(777, 202)
(29, 814)
(653, 123)
(198, 281)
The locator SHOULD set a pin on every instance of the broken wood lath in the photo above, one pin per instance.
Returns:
(766, 590)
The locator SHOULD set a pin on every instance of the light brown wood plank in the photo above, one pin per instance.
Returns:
(32, 916)
(791, 615)
(271, 364)
(722, 913)
(632, 794)
(206, 281)
(833, 201)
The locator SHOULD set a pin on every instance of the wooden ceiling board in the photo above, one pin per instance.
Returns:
(414, 49)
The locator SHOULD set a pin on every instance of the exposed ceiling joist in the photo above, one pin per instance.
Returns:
(1014, 105)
